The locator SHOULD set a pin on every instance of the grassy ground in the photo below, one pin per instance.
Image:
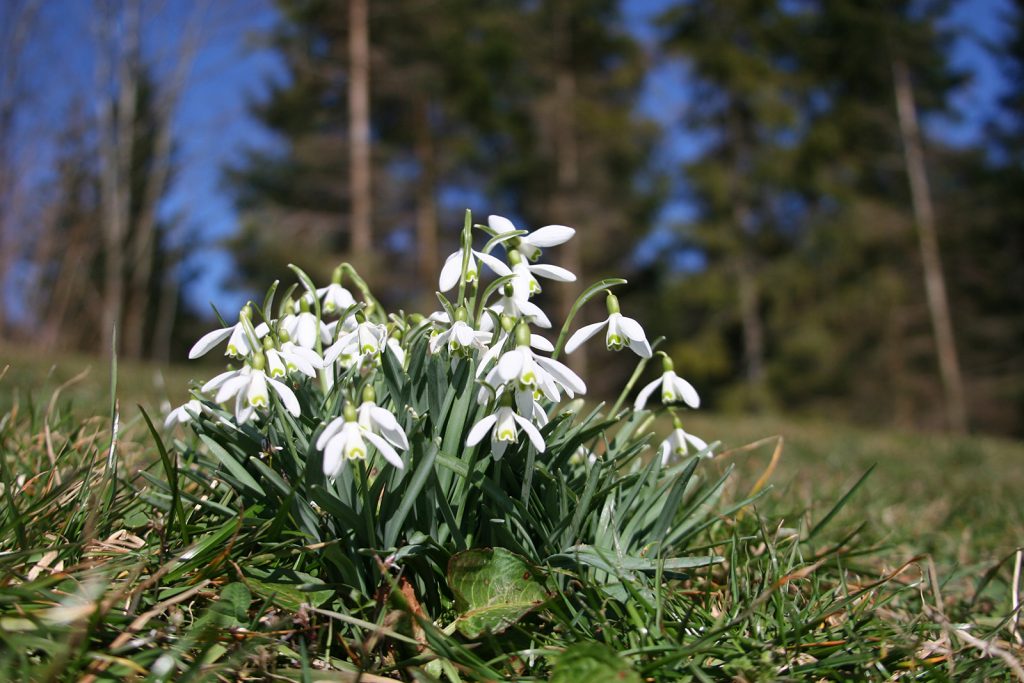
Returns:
(955, 501)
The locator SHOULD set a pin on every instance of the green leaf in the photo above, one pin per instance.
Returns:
(235, 468)
(594, 663)
(234, 602)
(494, 588)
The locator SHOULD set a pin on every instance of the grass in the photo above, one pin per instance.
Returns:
(909, 578)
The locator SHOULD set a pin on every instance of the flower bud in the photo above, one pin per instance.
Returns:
(612, 303)
(522, 334)
(369, 394)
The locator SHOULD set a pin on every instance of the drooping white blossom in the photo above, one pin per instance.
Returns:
(674, 389)
(503, 425)
(531, 244)
(622, 332)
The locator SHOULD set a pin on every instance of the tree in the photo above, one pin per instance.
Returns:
(739, 52)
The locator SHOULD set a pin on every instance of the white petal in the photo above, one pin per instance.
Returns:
(332, 456)
(450, 272)
(553, 272)
(549, 235)
(645, 393)
(566, 377)
(510, 365)
(330, 430)
(385, 449)
(541, 343)
(500, 224)
(641, 347)
(387, 425)
(696, 442)
(232, 387)
(287, 396)
(494, 264)
(583, 334)
(631, 328)
(208, 341)
(532, 310)
(498, 449)
(535, 438)
(480, 429)
(685, 390)
(218, 380)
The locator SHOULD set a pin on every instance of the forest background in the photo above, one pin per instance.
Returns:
(822, 201)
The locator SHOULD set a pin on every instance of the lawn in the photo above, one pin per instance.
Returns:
(939, 517)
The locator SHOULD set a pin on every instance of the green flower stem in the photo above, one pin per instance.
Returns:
(364, 289)
(466, 244)
(628, 389)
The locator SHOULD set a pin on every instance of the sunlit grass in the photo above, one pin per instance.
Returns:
(101, 580)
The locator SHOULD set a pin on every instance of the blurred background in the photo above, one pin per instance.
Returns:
(819, 202)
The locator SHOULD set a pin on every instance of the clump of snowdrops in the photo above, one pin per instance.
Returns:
(443, 476)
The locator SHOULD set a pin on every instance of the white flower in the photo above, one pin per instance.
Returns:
(248, 386)
(525, 284)
(452, 269)
(292, 358)
(336, 299)
(460, 338)
(373, 418)
(238, 341)
(364, 342)
(301, 328)
(183, 413)
(622, 331)
(531, 244)
(395, 346)
(344, 439)
(530, 371)
(673, 388)
(515, 306)
(678, 444)
(504, 425)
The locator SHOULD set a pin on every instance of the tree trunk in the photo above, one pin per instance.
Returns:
(116, 141)
(426, 203)
(359, 130)
(753, 328)
(567, 173)
(931, 261)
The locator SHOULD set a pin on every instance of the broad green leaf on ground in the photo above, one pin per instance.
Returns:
(493, 588)
(593, 663)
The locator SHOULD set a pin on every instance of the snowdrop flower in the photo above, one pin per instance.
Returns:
(292, 358)
(503, 425)
(344, 439)
(536, 342)
(516, 306)
(248, 386)
(528, 370)
(364, 342)
(525, 284)
(452, 269)
(302, 326)
(678, 444)
(531, 244)
(460, 338)
(622, 331)
(373, 418)
(395, 346)
(238, 340)
(183, 413)
(673, 388)
(336, 299)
